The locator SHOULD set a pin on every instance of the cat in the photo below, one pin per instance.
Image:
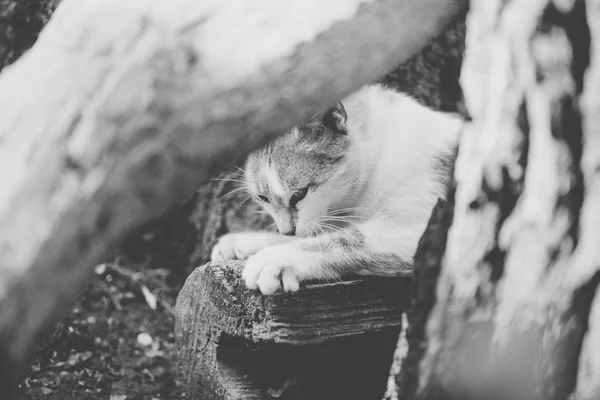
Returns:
(350, 191)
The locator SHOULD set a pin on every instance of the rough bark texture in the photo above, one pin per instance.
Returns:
(588, 251)
(237, 344)
(431, 76)
(122, 108)
(427, 263)
(20, 24)
(520, 269)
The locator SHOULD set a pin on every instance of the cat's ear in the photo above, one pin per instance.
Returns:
(335, 118)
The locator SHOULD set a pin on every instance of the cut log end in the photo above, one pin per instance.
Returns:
(234, 343)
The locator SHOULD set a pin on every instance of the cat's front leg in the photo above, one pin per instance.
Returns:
(283, 266)
(368, 249)
(241, 245)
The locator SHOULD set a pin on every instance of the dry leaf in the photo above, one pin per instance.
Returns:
(149, 296)
(75, 359)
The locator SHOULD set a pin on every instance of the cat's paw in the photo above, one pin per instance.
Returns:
(274, 268)
(241, 245)
(234, 246)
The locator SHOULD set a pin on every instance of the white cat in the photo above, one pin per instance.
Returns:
(351, 191)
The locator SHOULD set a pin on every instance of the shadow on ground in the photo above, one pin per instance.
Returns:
(97, 352)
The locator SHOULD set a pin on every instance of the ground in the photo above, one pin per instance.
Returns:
(97, 352)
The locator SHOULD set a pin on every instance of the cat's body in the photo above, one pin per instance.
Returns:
(351, 191)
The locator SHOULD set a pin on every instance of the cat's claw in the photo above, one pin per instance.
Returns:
(237, 246)
(226, 249)
(270, 270)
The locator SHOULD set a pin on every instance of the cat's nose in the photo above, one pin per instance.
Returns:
(289, 232)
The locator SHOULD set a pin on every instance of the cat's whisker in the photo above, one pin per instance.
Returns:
(328, 224)
(332, 228)
(312, 231)
(245, 200)
(340, 219)
(319, 229)
(262, 212)
(241, 170)
(343, 220)
(244, 187)
(342, 229)
(335, 221)
(310, 227)
(323, 222)
(343, 226)
(235, 191)
(346, 210)
(228, 180)
(344, 214)
(347, 216)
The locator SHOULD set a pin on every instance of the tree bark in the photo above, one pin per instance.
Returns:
(428, 258)
(121, 109)
(520, 269)
(20, 24)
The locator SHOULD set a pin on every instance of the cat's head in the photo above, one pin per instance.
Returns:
(304, 175)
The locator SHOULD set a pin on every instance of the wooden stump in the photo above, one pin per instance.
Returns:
(328, 341)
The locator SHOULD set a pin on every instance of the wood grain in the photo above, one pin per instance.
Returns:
(218, 319)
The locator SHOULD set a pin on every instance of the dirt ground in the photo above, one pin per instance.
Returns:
(112, 344)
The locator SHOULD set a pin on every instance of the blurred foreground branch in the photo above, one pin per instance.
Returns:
(514, 314)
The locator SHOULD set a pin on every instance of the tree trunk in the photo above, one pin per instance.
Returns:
(121, 109)
(520, 271)
(20, 24)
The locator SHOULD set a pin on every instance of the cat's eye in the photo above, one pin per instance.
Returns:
(264, 198)
(298, 196)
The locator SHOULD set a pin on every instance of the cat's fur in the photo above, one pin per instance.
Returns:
(374, 166)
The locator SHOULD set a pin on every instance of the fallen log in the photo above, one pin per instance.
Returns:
(122, 108)
(330, 340)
